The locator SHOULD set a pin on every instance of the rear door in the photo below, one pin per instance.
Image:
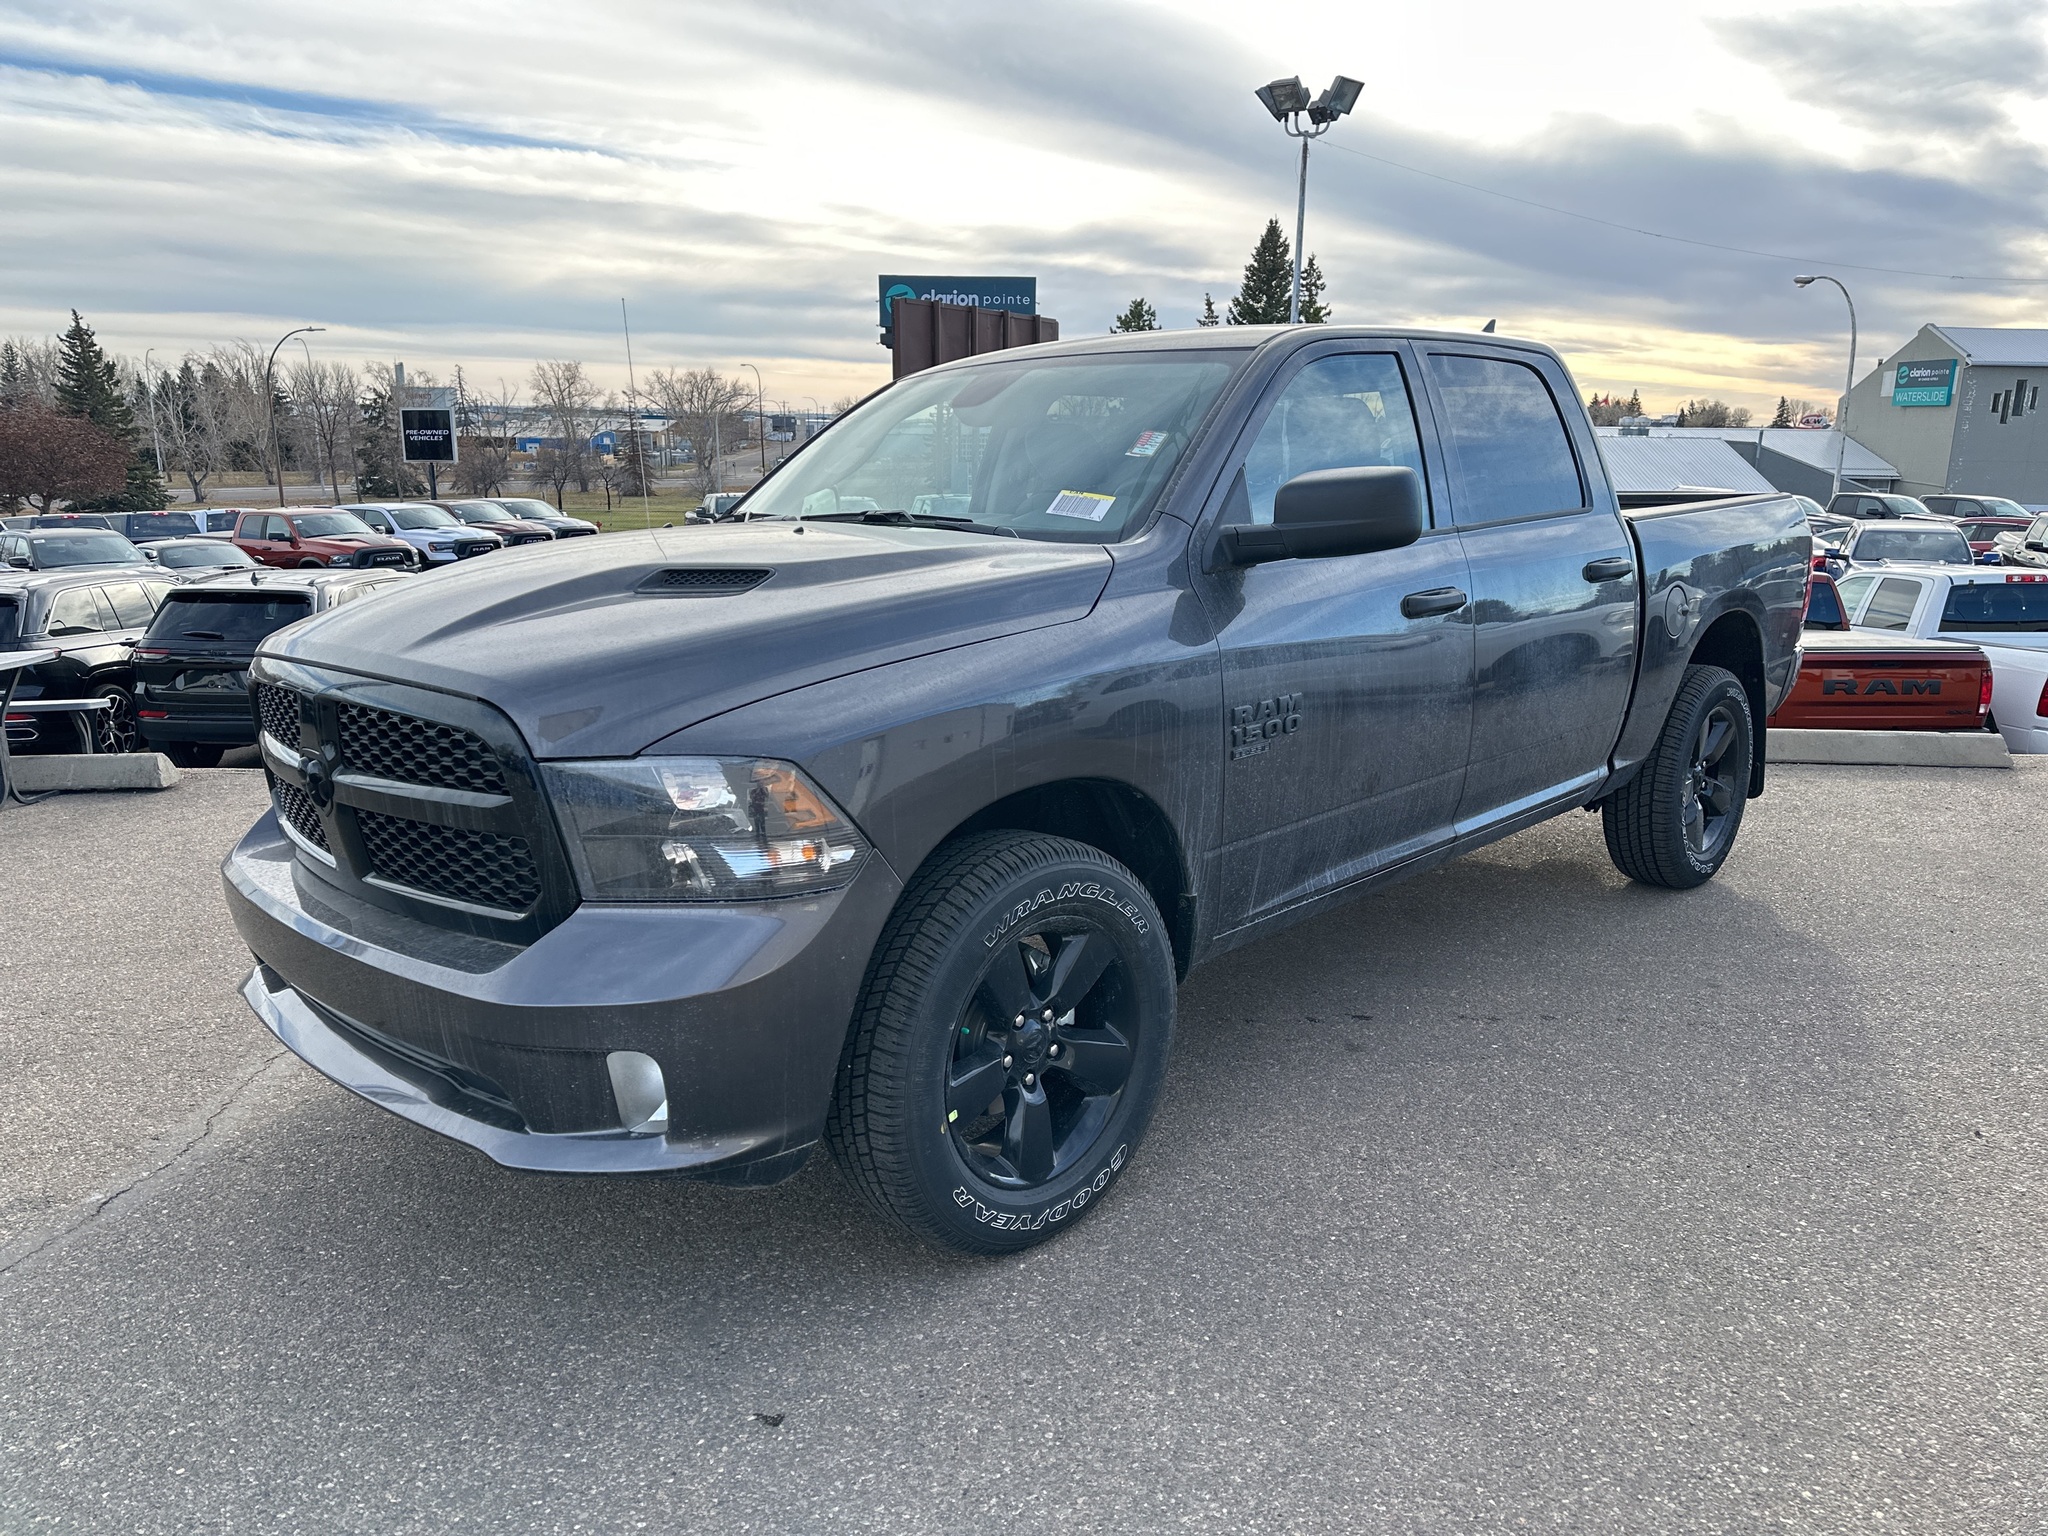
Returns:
(1347, 682)
(1553, 581)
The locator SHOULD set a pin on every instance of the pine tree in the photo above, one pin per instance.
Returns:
(1313, 310)
(1783, 418)
(1209, 315)
(1137, 316)
(1635, 402)
(89, 386)
(14, 380)
(1268, 282)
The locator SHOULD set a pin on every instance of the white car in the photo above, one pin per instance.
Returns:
(1897, 541)
(440, 537)
(2003, 610)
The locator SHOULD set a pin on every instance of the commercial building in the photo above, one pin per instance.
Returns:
(1796, 459)
(1958, 409)
(1648, 470)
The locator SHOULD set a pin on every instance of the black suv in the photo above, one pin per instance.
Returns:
(90, 619)
(534, 510)
(54, 549)
(192, 668)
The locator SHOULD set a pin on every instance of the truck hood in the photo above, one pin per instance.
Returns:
(595, 650)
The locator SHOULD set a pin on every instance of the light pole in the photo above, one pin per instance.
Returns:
(270, 398)
(760, 415)
(1288, 101)
(1842, 419)
(811, 426)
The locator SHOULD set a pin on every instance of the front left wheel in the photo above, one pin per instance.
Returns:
(1009, 1045)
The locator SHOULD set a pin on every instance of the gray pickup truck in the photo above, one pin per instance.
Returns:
(890, 816)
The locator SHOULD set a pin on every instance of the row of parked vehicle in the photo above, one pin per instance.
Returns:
(1926, 614)
(158, 613)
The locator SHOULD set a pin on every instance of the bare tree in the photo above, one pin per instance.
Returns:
(28, 370)
(565, 396)
(483, 423)
(703, 410)
(323, 417)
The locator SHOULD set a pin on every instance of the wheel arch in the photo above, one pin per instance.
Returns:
(1734, 642)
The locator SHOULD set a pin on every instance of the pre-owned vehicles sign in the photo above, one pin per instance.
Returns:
(428, 435)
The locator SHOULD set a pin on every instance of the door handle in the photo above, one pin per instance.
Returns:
(1613, 568)
(1422, 605)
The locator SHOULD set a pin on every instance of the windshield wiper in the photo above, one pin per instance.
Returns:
(897, 518)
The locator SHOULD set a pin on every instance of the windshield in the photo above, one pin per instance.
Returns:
(1936, 546)
(1998, 506)
(161, 525)
(526, 506)
(414, 518)
(225, 615)
(325, 525)
(482, 512)
(1068, 450)
(53, 550)
(181, 557)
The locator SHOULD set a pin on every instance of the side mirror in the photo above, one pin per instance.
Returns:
(21, 562)
(151, 555)
(1330, 512)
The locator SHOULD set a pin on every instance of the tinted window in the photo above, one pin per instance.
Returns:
(75, 612)
(1891, 605)
(160, 525)
(2011, 607)
(179, 557)
(325, 525)
(226, 616)
(482, 512)
(132, 606)
(1509, 453)
(1337, 413)
(1824, 608)
(61, 549)
(1939, 546)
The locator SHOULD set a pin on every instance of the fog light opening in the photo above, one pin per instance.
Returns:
(639, 1091)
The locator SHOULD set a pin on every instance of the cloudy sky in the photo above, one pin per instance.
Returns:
(472, 183)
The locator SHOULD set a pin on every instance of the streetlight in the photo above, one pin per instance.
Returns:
(270, 395)
(760, 415)
(1842, 421)
(1288, 101)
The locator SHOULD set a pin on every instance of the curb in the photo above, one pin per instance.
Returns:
(1890, 749)
(92, 771)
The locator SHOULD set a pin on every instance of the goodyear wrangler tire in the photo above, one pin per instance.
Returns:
(1009, 1045)
(1674, 823)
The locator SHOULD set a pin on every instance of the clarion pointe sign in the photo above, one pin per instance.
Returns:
(1018, 295)
(1925, 383)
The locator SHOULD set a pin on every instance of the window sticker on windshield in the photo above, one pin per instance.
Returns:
(1091, 506)
(1148, 443)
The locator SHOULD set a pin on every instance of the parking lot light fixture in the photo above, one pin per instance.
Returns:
(1807, 280)
(1288, 101)
(270, 398)
(760, 415)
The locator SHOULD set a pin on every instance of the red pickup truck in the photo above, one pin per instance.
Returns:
(316, 536)
(1858, 680)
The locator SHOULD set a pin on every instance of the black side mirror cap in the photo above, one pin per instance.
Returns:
(1331, 512)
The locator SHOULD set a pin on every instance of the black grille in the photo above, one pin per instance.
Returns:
(370, 557)
(710, 581)
(532, 538)
(477, 867)
(473, 548)
(296, 807)
(278, 709)
(414, 751)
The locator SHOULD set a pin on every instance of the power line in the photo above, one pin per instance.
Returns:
(1656, 234)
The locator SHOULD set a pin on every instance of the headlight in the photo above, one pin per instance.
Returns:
(440, 546)
(700, 829)
(340, 559)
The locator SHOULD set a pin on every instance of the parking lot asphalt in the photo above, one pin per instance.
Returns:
(1514, 1198)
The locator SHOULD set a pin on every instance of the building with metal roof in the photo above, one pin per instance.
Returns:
(1796, 459)
(1956, 408)
(1650, 470)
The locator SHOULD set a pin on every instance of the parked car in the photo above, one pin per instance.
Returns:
(1858, 680)
(1874, 506)
(2026, 546)
(199, 554)
(1976, 506)
(718, 507)
(303, 537)
(1921, 542)
(492, 518)
(2003, 612)
(71, 520)
(55, 549)
(221, 520)
(1983, 532)
(90, 618)
(439, 537)
(192, 667)
(145, 528)
(533, 510)
(693, 851)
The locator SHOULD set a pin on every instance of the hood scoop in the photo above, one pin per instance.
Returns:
(703, 581)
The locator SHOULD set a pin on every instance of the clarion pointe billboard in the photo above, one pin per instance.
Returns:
(1925, 382)
(1018, 295)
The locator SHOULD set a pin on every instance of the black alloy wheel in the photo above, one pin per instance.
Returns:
(1675, 822)
(1041, 1055)
(113, 730)
(1009, 1045)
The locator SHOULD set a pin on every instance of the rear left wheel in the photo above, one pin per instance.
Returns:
(1674, 823)
(1010, 1043)
(113, 728)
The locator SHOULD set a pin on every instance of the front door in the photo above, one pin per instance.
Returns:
(1345, 713)
(1553, 583)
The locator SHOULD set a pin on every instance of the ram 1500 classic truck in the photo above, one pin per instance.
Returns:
(889, 816)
